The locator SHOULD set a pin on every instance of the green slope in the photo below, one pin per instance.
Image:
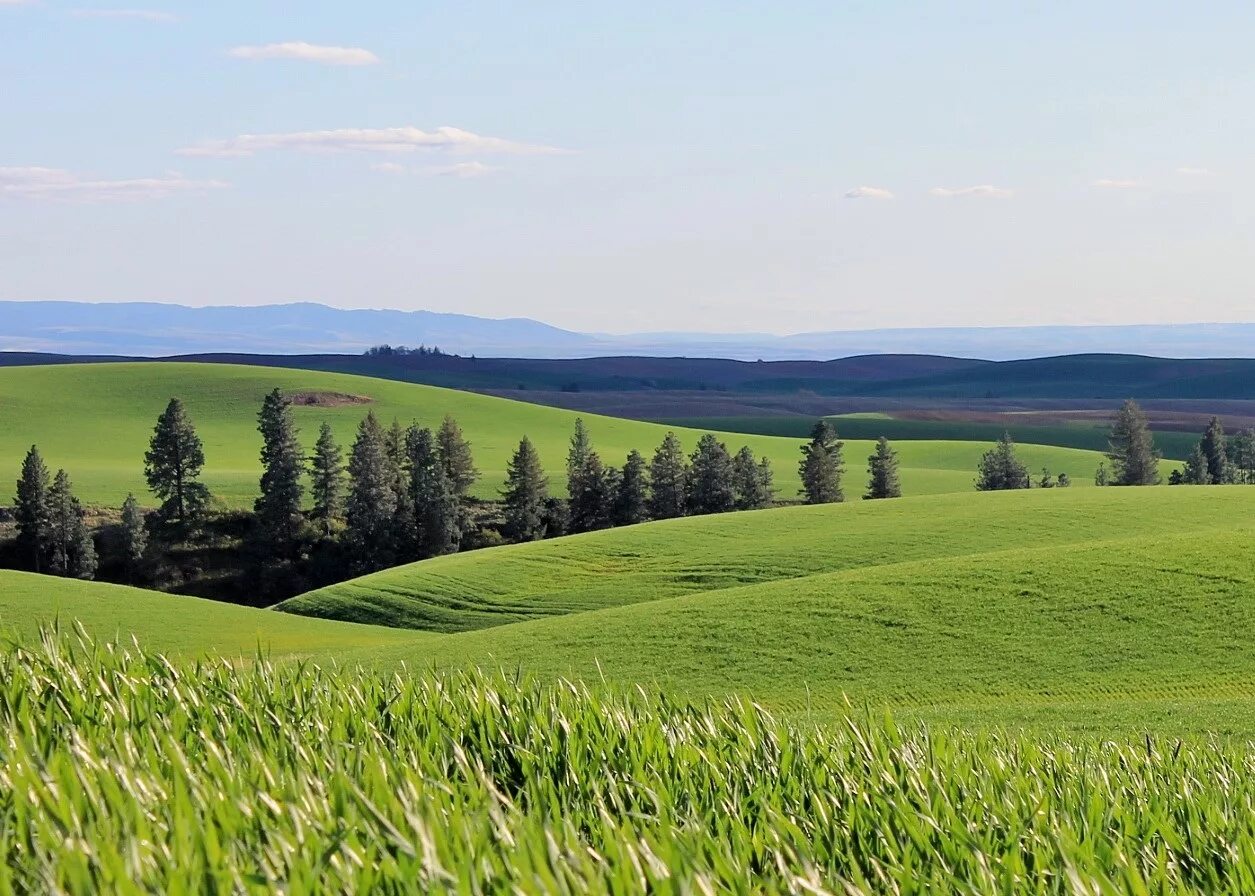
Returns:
(1136, 632)
(667, 559)
(95, 420)
(178, 625)
(1109, 609)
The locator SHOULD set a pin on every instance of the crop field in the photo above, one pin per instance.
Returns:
(1098, 611)
(703, 554)
(123, 772)
(1086, 436)
(95, 420)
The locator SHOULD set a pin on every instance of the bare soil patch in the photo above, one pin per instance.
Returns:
(327, 399)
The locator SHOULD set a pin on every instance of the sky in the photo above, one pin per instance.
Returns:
(769, 167)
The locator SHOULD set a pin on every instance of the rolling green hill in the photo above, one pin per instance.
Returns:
(1101, 610)
(700, 554)
(95, 420)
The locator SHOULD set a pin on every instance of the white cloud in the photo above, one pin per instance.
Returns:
(981, 190)
(1114, 183)
(389, 168)
(57, 184)
(388, 140)
(307, 53)
(463, 170)
(868, 193)
(146, 15)
(1195, 172)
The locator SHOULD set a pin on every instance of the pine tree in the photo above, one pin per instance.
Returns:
(821, 466)
(526, 493)
(32, 510)
(1101, 476)
(437, 521)
(455, 455)
(751, 481)
(1244, 457)
(372, 500)
(173, 463)
(1195, 472)
(1000, 469)
(404, 534)
(1134, 459)
(710, 480)
(279, 506)
(668, 477)
(134, 535)
(72, 552)
(882, 472)
(631, 501)
(588, 484)
(326, 472)
(1215, 450)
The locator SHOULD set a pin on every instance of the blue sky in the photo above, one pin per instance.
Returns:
(770, 167)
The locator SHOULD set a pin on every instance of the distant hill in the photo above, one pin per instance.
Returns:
(152, 329)
(930, 377)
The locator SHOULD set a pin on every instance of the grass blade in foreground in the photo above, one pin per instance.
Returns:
(120, 772)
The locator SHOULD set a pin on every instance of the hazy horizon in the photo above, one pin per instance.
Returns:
(749, 169)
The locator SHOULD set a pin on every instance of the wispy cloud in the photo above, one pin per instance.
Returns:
(144, 15)
(1115, 183)
(985, 190)
(868, 193)
(57, 184)
(463, 170)
(384, 140)
(389, 168)
(307, 53)
(1195, 172)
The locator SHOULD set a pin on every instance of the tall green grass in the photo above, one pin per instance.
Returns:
(121, 772)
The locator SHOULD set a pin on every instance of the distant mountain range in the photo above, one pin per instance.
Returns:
(150, 329)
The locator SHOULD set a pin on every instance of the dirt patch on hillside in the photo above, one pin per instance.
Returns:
(326, 399)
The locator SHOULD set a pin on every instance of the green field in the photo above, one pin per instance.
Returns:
(701, 554)
(1104, 610)
(1068, 434)
(124, 773)
(95, 420)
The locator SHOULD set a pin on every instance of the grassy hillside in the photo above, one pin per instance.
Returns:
(1131, 629)
(173, 624)
(1068, 434)
(95, 420)
(677, 557)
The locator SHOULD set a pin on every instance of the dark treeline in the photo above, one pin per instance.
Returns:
(396, 495)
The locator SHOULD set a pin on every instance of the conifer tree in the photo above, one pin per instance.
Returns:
(134, 535)
(404, 534)
(437, 522)
(1195, 472)
(278, 507)
(751, 481)
(526, 493)
(588, 485)
(326, 472)
(821, 466)
(173, 463)
(372, 500)
(668, 477)
(1000, 469)
(631, 502)
(1134, 459)
(32, 510)
(1215, 450)
(882, 472)
(710, 479)
(1244, 457)
(455, 455)
(1101, 476)
(71, 551)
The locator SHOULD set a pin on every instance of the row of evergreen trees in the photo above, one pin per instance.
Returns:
(1217, 460)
